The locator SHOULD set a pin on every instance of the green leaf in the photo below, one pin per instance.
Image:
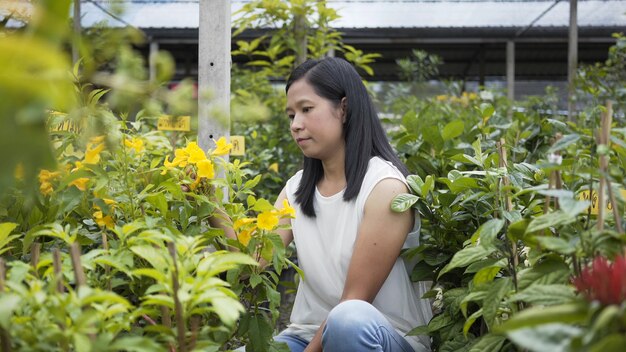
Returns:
(486, 110)
(262, 205)
(545, 294)
(488, 343)
(152, 255)
(573, 207)
(452, 130)
(564, 313)
(486, 275)
(611, 343)
(439, 322)
(557, 218)
(556, 244)
(8, 303)
(470, 321)
(487, 232)
(467, 256)
(416, 183)
(228, 309)
(134, 344)
(403, 202)
(547, 337)
(420, 330)
(429, 185)
(550, 271)
(496, 292)
(259, 331)
(5, 229)
(563, 143)
(159, 202)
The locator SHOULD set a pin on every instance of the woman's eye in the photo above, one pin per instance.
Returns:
(291, 116)
(306, 109)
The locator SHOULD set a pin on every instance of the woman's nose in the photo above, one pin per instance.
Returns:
(296, 123)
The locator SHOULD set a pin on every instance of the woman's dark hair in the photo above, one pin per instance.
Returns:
(335, 79)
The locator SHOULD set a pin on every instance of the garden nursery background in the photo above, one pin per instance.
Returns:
(520, 192)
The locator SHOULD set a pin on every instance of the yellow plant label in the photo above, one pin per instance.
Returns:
(239, 145)
(67, 126)
(179, 123)
(593, 198)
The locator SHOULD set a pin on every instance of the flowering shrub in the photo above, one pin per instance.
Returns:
(603, 281)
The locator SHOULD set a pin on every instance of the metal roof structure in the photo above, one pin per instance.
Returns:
(469, 35)
(384, 14)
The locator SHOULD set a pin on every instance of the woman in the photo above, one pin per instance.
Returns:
(356, 294)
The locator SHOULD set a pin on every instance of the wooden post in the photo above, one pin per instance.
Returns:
(79, 274)
(214, 72)
(58, 269)
(77, 30)
(572, 56)
(35, 252)
(510, 74)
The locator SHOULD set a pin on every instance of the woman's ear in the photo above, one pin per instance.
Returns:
(344, 109)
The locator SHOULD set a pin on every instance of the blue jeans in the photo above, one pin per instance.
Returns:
(353, 326)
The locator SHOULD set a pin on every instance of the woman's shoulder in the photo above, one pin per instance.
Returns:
(293, 182)
(379, 168)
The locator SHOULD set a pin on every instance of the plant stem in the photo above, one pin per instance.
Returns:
(58, 271)
(603, 139)
(107, 269)
(178, 308)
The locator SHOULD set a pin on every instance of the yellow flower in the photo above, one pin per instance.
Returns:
(134, 143)
(287, 210)
(222, 147)
(80, 183)
(441, 98)
(273, 167)
(196, 154)
(18, 173)
(109, 202)
(46, 188)
(267, 220)
(181, 156)
(77, 166)
(92, 154)
(103, 221)
(245, 235)
(96, 139)
(205, 169)
(47, 175)
(239, 223)
(45, 181)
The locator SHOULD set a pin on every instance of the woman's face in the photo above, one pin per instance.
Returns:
(316, 123)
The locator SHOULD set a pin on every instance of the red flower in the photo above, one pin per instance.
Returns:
(603, 281)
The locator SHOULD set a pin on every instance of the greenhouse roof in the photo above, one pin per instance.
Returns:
(180, 14)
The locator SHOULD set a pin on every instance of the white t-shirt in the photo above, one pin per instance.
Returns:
(325, 244)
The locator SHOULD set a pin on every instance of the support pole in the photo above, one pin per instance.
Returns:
(510, 72)
(77, 30)
(300, 30)
(154, 50)
(572, 56)
(214, 72)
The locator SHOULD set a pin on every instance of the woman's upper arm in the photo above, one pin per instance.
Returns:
(285, 234)
(382, 233)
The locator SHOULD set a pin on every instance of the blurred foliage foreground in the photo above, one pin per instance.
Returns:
(102, 249)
